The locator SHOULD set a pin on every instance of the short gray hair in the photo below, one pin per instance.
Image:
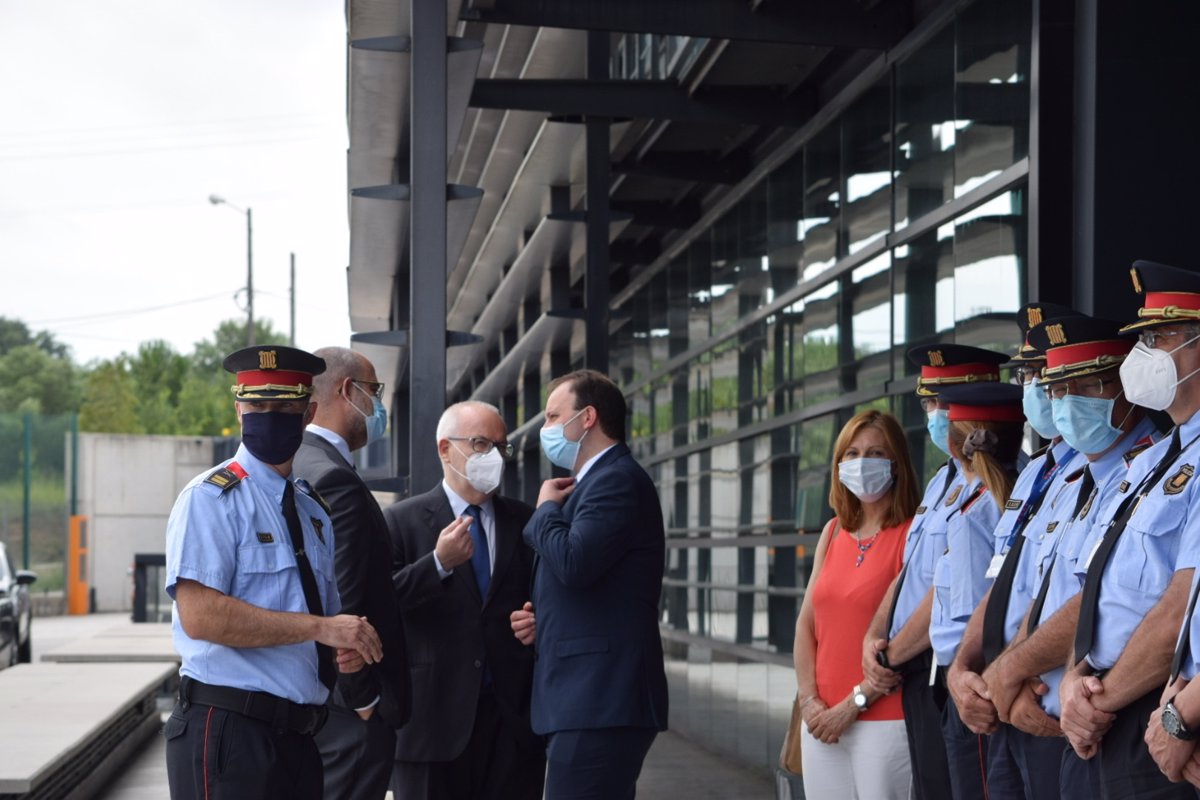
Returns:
(340, 363)
(448, 424)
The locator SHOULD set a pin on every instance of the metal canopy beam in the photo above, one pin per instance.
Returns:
(695, 167)
(661, 215)
(826, 24)
(738, 105)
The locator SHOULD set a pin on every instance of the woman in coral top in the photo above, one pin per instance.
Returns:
(853, 741)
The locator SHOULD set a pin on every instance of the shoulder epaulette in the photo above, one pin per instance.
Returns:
(227, 477)
(306, 487)
(975, 495)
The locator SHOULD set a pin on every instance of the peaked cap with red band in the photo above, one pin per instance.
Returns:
(1172, 295)
(273, 372)
(1030, 316)
(1076, 346)
(985, 402)
(950, 364)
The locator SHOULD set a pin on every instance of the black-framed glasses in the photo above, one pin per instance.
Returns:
(482, 444)
(1078, 387)
(373, 388)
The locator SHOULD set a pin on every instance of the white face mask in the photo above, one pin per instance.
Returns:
(868, 478)
(484, 470)
(1149, 376)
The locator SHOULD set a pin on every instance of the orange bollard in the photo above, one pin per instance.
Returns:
(77, 566)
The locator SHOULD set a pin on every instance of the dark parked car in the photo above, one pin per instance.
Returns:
(16, 612)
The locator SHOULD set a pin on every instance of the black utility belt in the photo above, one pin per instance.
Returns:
(278, 712)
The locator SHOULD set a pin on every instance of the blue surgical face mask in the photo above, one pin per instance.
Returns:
(938, 426)
(1086, 422)
(377, 420)
(272, 437)
(1038, 410)
(561, 451)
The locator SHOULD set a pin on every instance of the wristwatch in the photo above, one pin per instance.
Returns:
(1172, 723)
(860, 699)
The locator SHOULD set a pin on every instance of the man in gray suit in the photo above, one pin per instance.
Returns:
(460, 568)
(358, 740)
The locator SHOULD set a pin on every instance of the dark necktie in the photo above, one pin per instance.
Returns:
(481, 562)
(308, 582)
(1086, 488)
(951, 471)
(1085, 634)
(997, 607)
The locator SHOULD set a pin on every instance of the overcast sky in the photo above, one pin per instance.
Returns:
(119, 118)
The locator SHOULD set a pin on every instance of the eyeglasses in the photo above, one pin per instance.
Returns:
(373, 388)
(1077, 387)
(481, 444)
(1026, 375)
(1150, 338)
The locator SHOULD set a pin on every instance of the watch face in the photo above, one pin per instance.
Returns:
(1173, 725)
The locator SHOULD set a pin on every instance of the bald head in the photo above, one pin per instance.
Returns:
(460, 423)
(342, 406)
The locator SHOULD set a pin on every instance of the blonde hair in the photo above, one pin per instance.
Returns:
(993, 465)
(904, 490)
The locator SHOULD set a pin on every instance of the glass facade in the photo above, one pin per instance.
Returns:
(900, 222)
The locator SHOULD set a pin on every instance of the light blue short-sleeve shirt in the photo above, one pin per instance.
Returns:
(235, 540)
(1146, 555)
(925, 543)
(1067, 461)
(960, 577)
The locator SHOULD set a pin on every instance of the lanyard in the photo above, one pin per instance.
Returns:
(1036, 494)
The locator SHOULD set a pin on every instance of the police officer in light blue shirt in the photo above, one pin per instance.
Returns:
(1089, 410)
(987, 424)
(1135, 585)
(250, 567)
(898, 640)
(1012, 769)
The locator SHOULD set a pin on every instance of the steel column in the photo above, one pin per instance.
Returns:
(427, 270)
(596, 289)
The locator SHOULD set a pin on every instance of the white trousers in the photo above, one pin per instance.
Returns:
(868, 762)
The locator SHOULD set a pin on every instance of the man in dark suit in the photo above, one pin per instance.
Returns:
(358, 740)
(460, 569)
(599, 689)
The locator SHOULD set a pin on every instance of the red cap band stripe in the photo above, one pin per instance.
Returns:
(1000, 413)
(279, 377)
(1164, 299)
(1085, 351)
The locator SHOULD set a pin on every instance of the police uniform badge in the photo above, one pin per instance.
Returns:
(264, 537)
(1013, 504)
(1140, 446)
(319, 527)
(1176, 483)
(1050, 528)
(1123, 487)
(1083, 512)
(953, 495)
(920, 510)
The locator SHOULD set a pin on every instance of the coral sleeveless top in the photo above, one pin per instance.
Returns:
(846, 595)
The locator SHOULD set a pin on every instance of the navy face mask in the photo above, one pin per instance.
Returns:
(272, 437)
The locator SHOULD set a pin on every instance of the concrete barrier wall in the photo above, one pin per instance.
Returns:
(127, 485)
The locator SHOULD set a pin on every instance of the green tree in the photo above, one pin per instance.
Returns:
(15, 333)
(110, 402)
(34, 380)
(229, 336)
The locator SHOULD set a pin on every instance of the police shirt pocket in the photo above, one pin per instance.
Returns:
(259, 569)
(1144, 558)
(581, 645)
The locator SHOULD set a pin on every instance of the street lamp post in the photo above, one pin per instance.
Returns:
(217, 201)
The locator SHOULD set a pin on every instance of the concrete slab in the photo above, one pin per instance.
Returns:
(128, 642)
(61, 709)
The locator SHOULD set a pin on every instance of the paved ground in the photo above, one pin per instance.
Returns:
(675, 768)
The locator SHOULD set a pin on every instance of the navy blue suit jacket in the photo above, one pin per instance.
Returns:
(596, 587)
